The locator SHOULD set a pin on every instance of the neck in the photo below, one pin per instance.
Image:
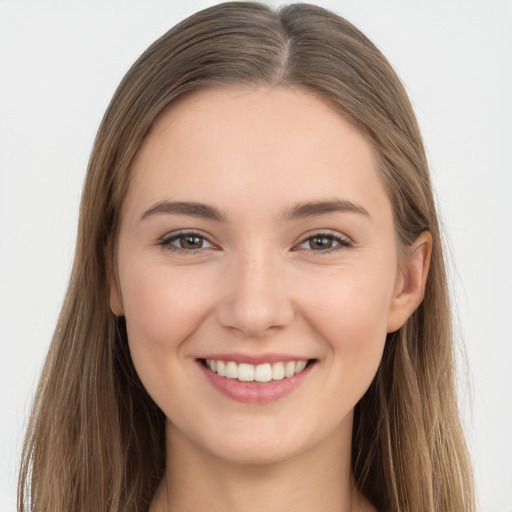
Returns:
(317, 479)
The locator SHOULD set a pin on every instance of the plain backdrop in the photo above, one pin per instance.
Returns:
(60, 62)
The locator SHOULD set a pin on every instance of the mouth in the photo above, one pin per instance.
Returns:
(256, 383)
(265, 372)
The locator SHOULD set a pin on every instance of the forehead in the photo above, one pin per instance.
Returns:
(244, 147)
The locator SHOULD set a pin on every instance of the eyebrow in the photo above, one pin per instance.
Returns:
(190, 209)
(316, 208)
(299, 211)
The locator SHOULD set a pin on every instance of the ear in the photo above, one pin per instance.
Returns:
(115, 298)
(410, 283)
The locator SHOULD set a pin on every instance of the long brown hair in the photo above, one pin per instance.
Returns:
(96, 439)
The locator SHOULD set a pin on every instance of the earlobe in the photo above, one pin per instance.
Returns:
(114, 290)
(411, 281)
(115, 299)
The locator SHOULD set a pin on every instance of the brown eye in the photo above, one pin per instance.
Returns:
(321, 242)
(325, 243)
(185, 242)
(191, 242)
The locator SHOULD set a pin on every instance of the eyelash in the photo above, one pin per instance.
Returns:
(166, 243)
(344, 243)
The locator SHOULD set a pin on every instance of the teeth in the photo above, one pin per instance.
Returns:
(246, 372)
(263, 373)
(278, 371)
(260, 373)
(300, 365)
(221, 368)
(289, 369)
(232, 370)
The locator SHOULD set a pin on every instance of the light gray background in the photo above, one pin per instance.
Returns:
(60, 62)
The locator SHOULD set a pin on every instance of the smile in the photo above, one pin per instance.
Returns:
(261, 383)
(266, 372)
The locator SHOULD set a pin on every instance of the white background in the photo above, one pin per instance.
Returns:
(59, 65)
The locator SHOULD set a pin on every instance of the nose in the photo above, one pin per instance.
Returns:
(255, 298)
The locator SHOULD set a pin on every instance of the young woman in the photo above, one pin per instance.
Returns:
(257, 316)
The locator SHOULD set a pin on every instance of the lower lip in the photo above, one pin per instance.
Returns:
(255, 392)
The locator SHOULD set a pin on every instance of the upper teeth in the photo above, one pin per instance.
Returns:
(260, 373)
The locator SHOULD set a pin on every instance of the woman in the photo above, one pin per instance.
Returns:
(257, 315)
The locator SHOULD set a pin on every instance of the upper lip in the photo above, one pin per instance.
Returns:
(255, 359)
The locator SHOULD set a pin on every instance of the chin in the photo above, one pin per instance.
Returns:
(251, 440)
(259, 452)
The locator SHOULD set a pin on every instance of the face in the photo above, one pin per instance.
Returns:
(257, 270)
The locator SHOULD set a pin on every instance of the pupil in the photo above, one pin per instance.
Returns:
(191, 242)
(321, 242)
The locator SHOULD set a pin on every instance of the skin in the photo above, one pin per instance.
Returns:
(259, 284)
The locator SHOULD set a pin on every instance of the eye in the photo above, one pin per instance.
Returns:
(324, 242)
(185, 242)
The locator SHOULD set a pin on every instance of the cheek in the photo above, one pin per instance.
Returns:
(349, 306)
(162, 309)
(162, 302)
(349, 315)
